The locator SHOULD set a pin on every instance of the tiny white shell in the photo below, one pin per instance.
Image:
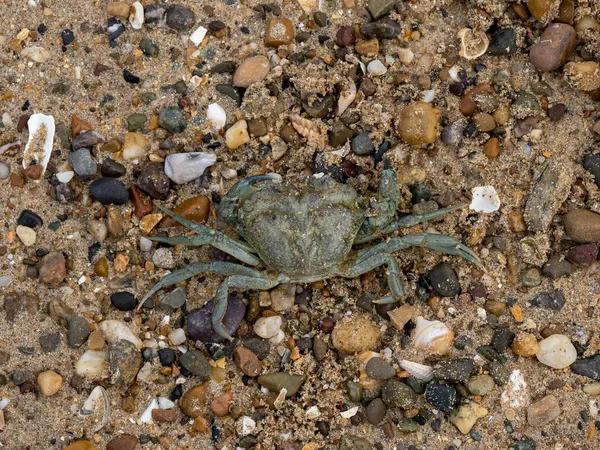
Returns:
(421, 372)
(473, 43)
(216, 116)
(41, 139)
(433, 336)
(485, 199)
(136, 16)
(198, 36)
(347, 96)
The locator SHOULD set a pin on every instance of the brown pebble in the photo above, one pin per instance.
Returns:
(114, 222)
(220, 405)
(279, 32)
(52, 269)
(556, 111)
(124, 442)
(49, 382)
(418, 123)
(78, 126)
(118, 9)
(142, 205)
(251, 70)
(193, 402)
(101, 267)
(200, 424)
(553, 48)
(582, 225)
(81, 445)
(16, 180)
(114, 145)
(345, 36)
(195, 208)
(326, 324)
(164, 415)
(95, 340)
(543, 10)
(516, 222)
(367, 48)
(22, 123)
(543, 411)
(468, 107)
(491, 148)
(33, 172)
(247, 361)
(521, 11)
(128, 404)
(525, 344)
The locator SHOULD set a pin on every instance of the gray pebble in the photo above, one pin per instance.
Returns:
(195, 363)
(82, 163)
(378, 369)
(4, 171)
(50, 342)
(79, 331)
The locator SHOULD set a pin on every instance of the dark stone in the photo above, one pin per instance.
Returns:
(109, 191)
(123, 301)
(198, 323)
(112, 169)
(320, 19)
(87, 139)
(230, 91)
(548, 300)
(345, 36)
(180, 18)
(441, 396)
(166, 356)
(396, 394)
(444, 280)
(195, 363)
(489, 353)
(420, 193)
(556, 111)
(319, 108)
(50, 342)
(588, 367)
(382, 29)
(456, 370)
(149, 47)
(114, 28)
(125, 362)
(502, 339)
(67, 36)
(524, 444)
(216, 25)
(362, 144)
(82, 163)
(591, 163)
(322, 165)
(260, 347)
(154, 181)
(376, 411)
(504, 42)
(224, 67)
(584, 255)
(171, 119)
(557, 267)
(29, 219)
(79, 331)
(154, 12)
(130, 78)
(378, 369)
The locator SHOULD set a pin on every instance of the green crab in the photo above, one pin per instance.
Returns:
(301, 232)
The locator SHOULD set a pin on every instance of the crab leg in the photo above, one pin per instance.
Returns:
(395, 282)
(383, 210)
(206, 235)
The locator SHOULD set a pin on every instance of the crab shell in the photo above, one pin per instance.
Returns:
(473, 43)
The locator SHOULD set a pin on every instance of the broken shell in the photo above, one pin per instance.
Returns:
(366, 381)
(41, 139)
(98, 396)
(516, 394)
(347, 96)
(473, 43)
(420, 371)
(91, 364)
(434, 337)
(198, 36)
(583, 75)
(216, 116)
(115, 331)
(485, 199)
(136, 16)
(308, 130)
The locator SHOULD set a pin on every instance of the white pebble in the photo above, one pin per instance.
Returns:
(268, 327)
(177, 336)
(237, 135)
(312, 413)
(27, 235)
(163, 258)
(485, 199)
(376, 68)
(216, 116)
(245, 426)
(4, 171)
(6, 120)
(5, 280)
(229, 174)
(198, 36)
(557, 351)
(406, 56)
(65, 177)
(91, 364)
(145, 244)
(184, 167)
(115, 330)
(516, 394)
(349, 413)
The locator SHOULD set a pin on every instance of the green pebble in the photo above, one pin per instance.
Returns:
(149, 48)
(136, 121)
(171, 119)
(54, 226)
(378, 8)
(320, 19)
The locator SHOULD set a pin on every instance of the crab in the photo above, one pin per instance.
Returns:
(305, 231)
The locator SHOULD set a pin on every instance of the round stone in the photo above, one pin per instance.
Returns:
(355, 334)
(123, 301)
(198, 322)
(396, 394)
(379, 369)
(195, 363)
(109, 191)
(166, 356)
(251, 70)
(79, 331)
(556, 351)
(180, 18)
(444, 280)
(171, 119)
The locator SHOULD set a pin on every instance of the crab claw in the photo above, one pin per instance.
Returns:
(219, 310)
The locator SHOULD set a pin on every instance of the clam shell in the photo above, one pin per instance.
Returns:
(473, 43)
(433, 337)
(347, 96)
(136, 16)
(41, 139)
(97, 397)
(366, 381)
(421, 372)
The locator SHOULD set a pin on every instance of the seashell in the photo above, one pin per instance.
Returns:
(41, 139)
(420, 371)
(473, 43)
(136, 16)
(434, 337)
(198, 36)
(115, 331)
(216, 116)
(485, 199)
(308, 129)
(347, 96)
(98, 396)
(366, 381)
(91, 364)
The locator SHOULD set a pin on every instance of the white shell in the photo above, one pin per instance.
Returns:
(41, 139)
(184, 167)
(91, 364)
(434, 337)
(366, 381)
(473, 43)
(420, 371)
(198, 36)
(114, 331)
(98, 397)
(347, 96)
(485, 199)
(136, 16)
(216, 116)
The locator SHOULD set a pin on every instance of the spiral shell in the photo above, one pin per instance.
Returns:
(434, 337)
(420, 371)
(473, 43)
(366, 381)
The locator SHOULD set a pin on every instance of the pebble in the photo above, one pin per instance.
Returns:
(554, 300)
(180, 18)
(195, 208)
(125, 362)
(556, 111)
(553, 48)
(378, 369)
(123, 301)
(247, 361)
(457, 370)
(195, 363)
(557, 267)
(4, 171)
(525, 344)
(163, 258)
(556, 351)
(444, 280)
(91, 364)
(376, 68)
(60, 312)
(251, 70)
(87, 139)
(184, 167)
(198, 324)
(82, 163)
(591, 163)
(502, 338)
(220, 405)
(27, 235)
(171, 119)
(194, 401)
(418, 123)
(97, 230)
(173, 300)
(362, 144)
(396, 394)
(29, 219)
(166, 356)
(480, 384)
(237, 135)
(268, 327)
(376, 411)
(112, 169)
(355, 334)
(79, 331)
(592, 389)
(584, 255)
(49, 382)
(345, 36)
(150, 49)
(441, 396)
(114, 28)
(280, 31)
(582, 226)
(383, 28)
(154, 181)
(465, 416)
(154, 13)
(177, 336)
(587, 367)
(50, 342)
(504, 42)
(81, 445)
(115, 331)
(274, 382)
(452, 134)
(543, 411)
(283, 297)
(125, 441)
(109, 191)
(52, 269)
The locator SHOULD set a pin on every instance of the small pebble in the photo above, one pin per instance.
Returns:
(49, 382)
(556, 351)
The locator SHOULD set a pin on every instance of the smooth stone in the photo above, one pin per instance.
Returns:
(376, 68)
(177, 336)
(173, 300)
(554, 47)
(247, 361)
(268, 327)
(49, 382)
(112, 169)
(52, 269)
(362, 144)
(591, 163)
(166, 356)
(184, 167)
(452, 134)
(237, 135)
(557, 267)
(283, 297)
(109, 191)
(504, 42)
(355, 334)
(456, 370)
(125, 362)
(354, 391)
(154, 181)
(163, 258)
(123, 301)
(114, 28)
(556, 351)
(525, 344)
(274, 382)
(319, 108)
(194, 401)
(29, 219)
(396, 394)
(82, 163)
(418, 123)
(378, 8)
(135, 146)
(125, 441)
(230, 91)
(582, 226)
(150, 49)
(532, 277)
(441, 396)
(195, 363)
(136, 121)
(465, 416)
(26, 235)
(115, 331)
(198, 321)
(50, 342)
(480, 384)
(79, 331)
(339, 134)
(543, 411)
(87, 139)
(502, 339)
(444, 280)
(554, 300)
(4, 171)
(171, 119)
(376, 411)
(251, 70)
(91, 364)
(195, 209)
(587, 367)
(378, 369)
(180, 18)
(384, 28)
